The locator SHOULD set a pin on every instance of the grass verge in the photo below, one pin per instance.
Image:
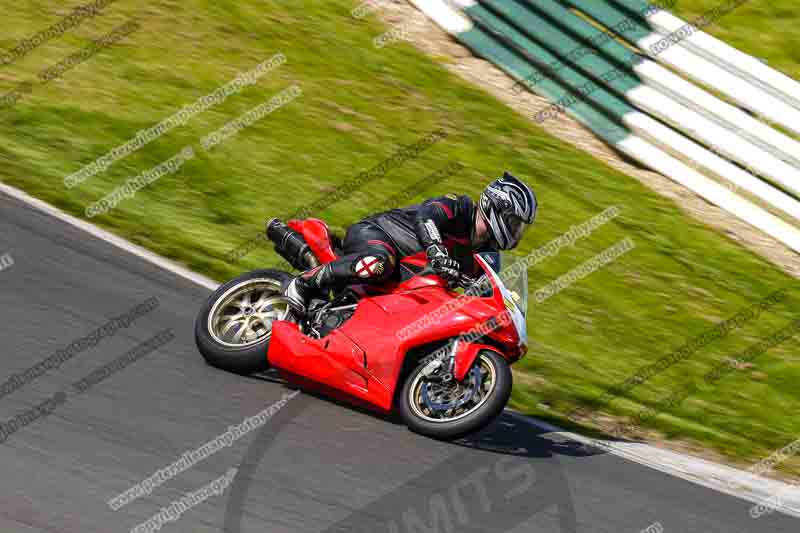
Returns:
(359, 106)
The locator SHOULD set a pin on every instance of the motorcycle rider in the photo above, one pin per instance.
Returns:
(448, 228)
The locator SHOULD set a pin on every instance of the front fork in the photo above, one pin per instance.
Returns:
(454, 361)
(442, 363)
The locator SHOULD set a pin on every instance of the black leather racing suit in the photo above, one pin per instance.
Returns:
(372, 248)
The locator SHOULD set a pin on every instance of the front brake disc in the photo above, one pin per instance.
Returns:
(475, 378)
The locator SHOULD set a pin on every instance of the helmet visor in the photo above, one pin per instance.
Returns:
(516, 229)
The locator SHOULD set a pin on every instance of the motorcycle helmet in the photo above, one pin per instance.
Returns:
(509, 206)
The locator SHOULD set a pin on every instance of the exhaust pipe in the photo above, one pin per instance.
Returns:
(291, 245)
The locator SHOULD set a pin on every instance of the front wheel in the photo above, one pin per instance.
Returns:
(234, 326)
(449, 410)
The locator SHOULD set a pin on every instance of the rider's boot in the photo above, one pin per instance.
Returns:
(304, 287)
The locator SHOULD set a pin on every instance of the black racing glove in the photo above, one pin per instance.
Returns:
(442, 263)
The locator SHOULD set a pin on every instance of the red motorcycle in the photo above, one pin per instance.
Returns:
(437, 352)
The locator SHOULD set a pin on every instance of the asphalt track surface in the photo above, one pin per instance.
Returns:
(315, 466)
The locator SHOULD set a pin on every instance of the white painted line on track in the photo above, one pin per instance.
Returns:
(714, 476)
(721, 478)
(109, 237)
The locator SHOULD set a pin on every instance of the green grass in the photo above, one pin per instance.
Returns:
(767, 30)
(359, 106)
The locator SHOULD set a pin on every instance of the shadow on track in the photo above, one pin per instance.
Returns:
(494, 481)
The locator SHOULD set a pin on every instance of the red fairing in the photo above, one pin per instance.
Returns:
(363, 359)
(417, 282)
(419, 260)
(317, 235)
(466, 352)
(385, 327)
(335, 360)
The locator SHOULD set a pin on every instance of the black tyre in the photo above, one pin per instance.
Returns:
(234, 326)
(450, 410)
